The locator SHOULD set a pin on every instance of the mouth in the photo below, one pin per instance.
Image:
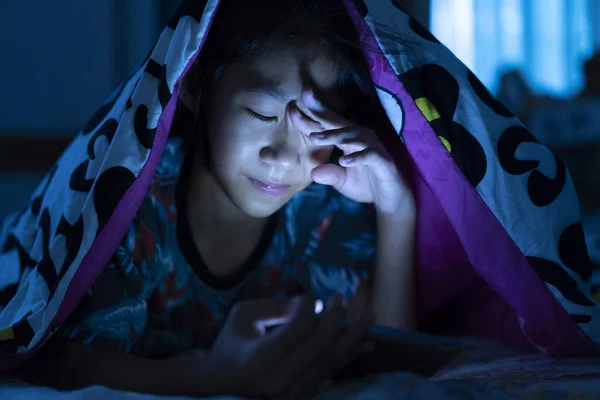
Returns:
(269, 188)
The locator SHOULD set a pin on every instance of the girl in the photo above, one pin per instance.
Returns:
(278, 185)
(248, 202)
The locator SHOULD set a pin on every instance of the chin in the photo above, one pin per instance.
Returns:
(258, 209)
(255, 204)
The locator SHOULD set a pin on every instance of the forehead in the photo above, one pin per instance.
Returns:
(287, 74)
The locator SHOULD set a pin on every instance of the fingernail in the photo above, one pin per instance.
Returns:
(347, 159)
(319, 306)
(310, 95)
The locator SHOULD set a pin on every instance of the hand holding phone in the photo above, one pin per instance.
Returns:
(281, 348)
(391, 350)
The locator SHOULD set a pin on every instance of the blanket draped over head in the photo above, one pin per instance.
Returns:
(500, 245)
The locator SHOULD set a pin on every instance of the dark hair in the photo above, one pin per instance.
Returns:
(243, 32)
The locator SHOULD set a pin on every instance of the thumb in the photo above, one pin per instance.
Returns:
(254, 316)
(298, 324)
(360, 303)
(329, 174)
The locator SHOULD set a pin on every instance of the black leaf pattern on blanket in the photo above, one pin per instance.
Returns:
(102, 112)
(46, 267)
(542, 190)
(78, 181)
(144, 134)
(573, 252)
(110, 188)
(25, 262)
(552, 273)
(74, 237)
(107, 130)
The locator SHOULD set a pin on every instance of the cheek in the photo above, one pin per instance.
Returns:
(218, 140)
(227, 144)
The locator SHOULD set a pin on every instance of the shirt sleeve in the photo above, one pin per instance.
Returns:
(114, 312)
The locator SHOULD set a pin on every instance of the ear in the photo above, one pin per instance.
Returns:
(189, 88)
(187, 98)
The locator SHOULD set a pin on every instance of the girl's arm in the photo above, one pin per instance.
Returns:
(245, 361)
(82, 366)
(393, 289)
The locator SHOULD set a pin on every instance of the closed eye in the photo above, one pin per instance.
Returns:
(260, 117)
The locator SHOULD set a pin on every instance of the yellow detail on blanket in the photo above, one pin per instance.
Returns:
(431, 113)
(446, 143)
(596, 294)
(7, 333)
(427, 108)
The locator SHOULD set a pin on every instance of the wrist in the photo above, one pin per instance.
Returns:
(197, 378)
(216, 380)
(406, 213)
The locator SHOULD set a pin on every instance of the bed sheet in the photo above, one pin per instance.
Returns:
(479, 377)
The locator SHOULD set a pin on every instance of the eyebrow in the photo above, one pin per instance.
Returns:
(269, 89)
(272, 92)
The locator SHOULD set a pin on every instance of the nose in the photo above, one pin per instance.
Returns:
(284, 151)
(280, 156)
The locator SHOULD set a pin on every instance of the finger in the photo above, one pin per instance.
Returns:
(303, 123)
(330, 322)
(307, 359)
(366, 156)
(360, 302)
(328, 329)
(329, 174)
(348, 345)
(314, 108)
(254, 315)
(301, 323)
(353, 335)
(311, 381)
(348, 139)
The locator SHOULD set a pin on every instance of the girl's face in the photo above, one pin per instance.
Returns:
(258, 157)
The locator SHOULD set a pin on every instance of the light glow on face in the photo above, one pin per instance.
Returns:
(252, 135)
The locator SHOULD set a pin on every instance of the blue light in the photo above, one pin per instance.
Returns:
(548, 40)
